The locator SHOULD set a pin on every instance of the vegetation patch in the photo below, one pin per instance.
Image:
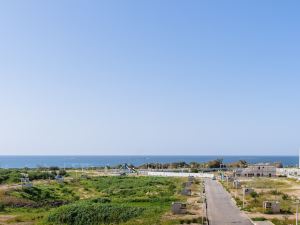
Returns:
(85, 213)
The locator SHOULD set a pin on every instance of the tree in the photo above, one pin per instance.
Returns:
(215, 163)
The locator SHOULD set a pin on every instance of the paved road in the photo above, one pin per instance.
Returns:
(220, 208)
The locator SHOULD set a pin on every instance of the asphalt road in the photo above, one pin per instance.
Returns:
(220, 208)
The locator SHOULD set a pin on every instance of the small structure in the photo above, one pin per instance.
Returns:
(84, 176)
(126, 169)
(186, 192)
(191, 179)
(271, 206)
(230, 178)
(247, 191)
(25, 182)
(257, 170)
(187, 184)
(236, 184)
(59, 179)
(178, 208)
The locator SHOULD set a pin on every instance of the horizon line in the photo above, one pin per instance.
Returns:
(141, 155)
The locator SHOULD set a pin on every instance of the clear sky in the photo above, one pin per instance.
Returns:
(150, 77)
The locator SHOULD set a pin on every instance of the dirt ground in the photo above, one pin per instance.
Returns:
(194, 207)
(6, 220)
(288, 186)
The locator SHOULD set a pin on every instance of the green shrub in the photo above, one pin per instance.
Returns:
(38, 175)
(259, 219)
(101, 200)
(9, 175)
(253, 194)
(86, 213)
(285, 196)
(37, 194)
(275, 192)
(2, 207)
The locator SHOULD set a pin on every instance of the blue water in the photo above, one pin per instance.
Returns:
(88, 161)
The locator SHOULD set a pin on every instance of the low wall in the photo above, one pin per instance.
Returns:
(288, 171)
(174, 174)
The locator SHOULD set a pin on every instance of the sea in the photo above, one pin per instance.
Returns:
(81, 161)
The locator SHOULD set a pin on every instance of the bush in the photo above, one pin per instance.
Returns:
(194, 170)
(285, 196)
(85, 213)
(38, 175)
(101, 200)
(275, 192)
(2, 207)
(253, 194)
(37, 194)
(9, 176)
(259, 219)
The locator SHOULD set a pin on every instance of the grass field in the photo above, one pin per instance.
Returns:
(126, 200)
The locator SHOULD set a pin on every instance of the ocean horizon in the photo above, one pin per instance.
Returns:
(78, 161)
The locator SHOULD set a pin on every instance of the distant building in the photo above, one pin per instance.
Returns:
(257, 170)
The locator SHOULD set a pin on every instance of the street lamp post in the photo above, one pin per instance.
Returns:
(203, 207)
(297, 209)
(243, 198)
(236, 189)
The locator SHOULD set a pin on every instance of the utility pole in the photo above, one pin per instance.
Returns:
(203, 202)
(297, 209)
(202, 207)
(243, 198)
(235, 184)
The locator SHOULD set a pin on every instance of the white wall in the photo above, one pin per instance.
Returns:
(174, 174)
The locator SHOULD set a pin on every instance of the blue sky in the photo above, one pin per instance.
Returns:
(149, 77)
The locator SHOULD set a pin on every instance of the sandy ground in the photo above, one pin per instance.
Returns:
(270, 216)
(194, 207)
(290, 187)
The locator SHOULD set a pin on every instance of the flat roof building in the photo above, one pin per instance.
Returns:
(257, 170)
